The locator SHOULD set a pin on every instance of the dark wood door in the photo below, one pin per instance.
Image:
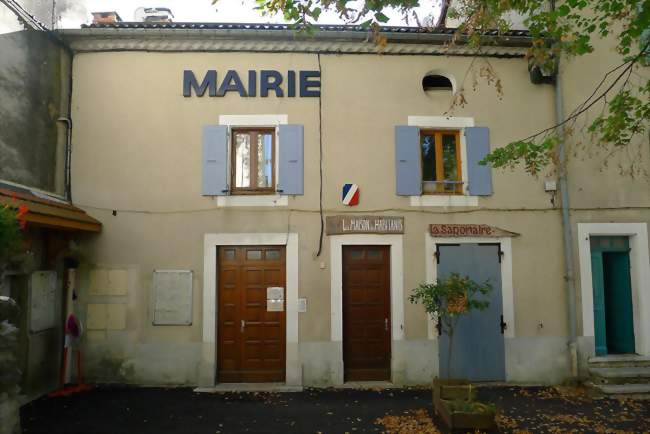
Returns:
(366, 313)
(251, 339)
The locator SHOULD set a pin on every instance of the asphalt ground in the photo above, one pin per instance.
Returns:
(118, 410)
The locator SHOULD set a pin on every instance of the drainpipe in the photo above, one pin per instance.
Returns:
(68, 154)
(67, 119)
(569, 275)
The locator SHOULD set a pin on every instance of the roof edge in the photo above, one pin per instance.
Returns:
(282, 38)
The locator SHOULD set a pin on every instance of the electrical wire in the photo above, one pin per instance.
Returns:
(414, 210)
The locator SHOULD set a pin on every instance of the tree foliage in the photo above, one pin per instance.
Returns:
(11, 225)
(449, 299)
(567, 29)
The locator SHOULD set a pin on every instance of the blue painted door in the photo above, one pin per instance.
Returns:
(478, 352)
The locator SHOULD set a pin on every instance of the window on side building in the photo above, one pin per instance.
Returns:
(441, 163)
(253, 161)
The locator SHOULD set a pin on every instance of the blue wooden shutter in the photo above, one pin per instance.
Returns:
(215, 160)
(408, 167)
(479, 178)
(291, 159)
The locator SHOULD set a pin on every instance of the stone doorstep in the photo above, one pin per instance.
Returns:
(372, 385)
(622, 389)
(622, 372)
(249, 387)
(617, 360)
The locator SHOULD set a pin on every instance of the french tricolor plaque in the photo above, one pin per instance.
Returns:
(350, 194)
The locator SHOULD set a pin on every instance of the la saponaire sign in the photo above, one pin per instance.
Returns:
(253, 83)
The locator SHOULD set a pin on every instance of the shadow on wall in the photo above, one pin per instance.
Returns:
(31, 89)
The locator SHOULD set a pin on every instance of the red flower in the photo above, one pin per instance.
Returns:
(20, 215)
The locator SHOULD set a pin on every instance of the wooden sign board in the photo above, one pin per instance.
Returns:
(468, 230)
(366, 224)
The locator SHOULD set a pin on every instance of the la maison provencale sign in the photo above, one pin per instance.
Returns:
(251, 83)
(468, 230)
(343, 224)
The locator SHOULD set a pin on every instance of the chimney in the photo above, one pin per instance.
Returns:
(154, 15)
(106, 17)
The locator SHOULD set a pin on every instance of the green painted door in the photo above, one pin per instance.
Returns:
(612, 290)
(600, 330)
(618, 303)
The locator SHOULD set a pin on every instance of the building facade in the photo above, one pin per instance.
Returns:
(270, 199)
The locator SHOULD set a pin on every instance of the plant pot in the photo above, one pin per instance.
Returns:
(451, 389)
(476, 416)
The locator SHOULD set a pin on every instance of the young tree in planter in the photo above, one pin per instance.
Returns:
(448, 300)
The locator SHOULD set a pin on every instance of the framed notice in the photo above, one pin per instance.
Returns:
(172, 297)
(43, 301)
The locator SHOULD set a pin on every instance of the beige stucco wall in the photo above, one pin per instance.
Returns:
(137, 150)
(601, 187)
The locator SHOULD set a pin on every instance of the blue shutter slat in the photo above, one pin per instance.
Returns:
(291, 160)
(479, 178)
(215, 160)
(408, 167)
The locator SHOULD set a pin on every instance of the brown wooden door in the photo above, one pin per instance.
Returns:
(366, 313)
(251, 340)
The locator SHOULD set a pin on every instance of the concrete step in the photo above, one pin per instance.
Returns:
(620, 375)
(622, 389)
(619, 360)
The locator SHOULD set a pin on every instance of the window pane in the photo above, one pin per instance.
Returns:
(450, 160)
(374, 255)
(254, 255)
(265, 160)
(272, 255)
(356, 255)
(428, 157)
(242, 160)
(228, 255)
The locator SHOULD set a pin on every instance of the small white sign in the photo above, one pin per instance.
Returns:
(275, 293)
(302, 305)
(172, 297)
(274, 305)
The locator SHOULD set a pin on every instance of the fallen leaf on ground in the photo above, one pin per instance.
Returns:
(411, 422)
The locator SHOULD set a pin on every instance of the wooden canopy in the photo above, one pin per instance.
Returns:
(50, 212)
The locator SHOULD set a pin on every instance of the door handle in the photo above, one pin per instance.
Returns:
(385, 324)
(503, 325)
(243, 325)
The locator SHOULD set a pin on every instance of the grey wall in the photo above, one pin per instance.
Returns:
(33, 91)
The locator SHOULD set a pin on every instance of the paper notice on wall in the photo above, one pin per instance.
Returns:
(172, 297)
(43, 301)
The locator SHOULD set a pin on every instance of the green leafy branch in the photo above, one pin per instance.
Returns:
(449, 299)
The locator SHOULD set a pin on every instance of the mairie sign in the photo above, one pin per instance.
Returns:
(297, 83)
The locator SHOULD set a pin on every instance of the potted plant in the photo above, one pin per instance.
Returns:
(448, 300)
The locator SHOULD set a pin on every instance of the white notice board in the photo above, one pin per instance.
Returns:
(43, 302)
(172, 297)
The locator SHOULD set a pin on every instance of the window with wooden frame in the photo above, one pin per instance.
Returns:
(441, 163)
(253, 161)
